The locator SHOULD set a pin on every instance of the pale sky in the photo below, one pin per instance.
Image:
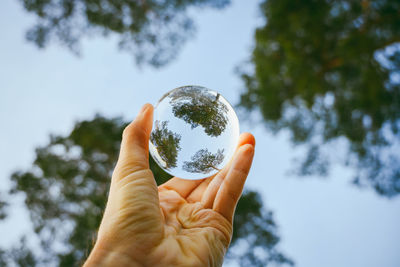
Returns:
(322, 222)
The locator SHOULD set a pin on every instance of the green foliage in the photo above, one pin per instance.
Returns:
(329, 71)
(259, 233)
(198, 107)
(166, 143)
(19, 255)
(204, 161)
(66, 191)
(3, 206)
(3, 260)
(153, 30)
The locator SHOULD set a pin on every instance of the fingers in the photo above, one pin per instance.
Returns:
(193, 190)
(246, 138)
(209, 195)
(207, 199)
(134, 154)
(181, 186)
(232, 186)
(196, 194)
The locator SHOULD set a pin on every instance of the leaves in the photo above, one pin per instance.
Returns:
(198, 107)
(203, 161)
(153, 31)
(167, 144)
(323, 70)
(19, 255)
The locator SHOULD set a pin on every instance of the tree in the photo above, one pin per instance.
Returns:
(3, 206)
(153, 30)
(66, 191)
(199, 107)
(328, 72)
(166, 143)
(19, 255)
(204, 161)
(3, 215)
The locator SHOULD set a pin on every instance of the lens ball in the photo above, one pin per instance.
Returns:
(195, 132)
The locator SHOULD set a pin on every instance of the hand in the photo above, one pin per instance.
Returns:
(180, 223)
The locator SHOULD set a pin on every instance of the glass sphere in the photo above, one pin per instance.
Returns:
(195, 132)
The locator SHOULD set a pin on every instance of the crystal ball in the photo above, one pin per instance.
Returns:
(195, 132)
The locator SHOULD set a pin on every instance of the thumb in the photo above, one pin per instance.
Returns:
(133, 194)
(134, 153)
(132, 177)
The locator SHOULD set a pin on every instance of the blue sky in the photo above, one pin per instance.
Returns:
(322, 222)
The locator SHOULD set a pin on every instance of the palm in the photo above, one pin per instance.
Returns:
(179, 225)
(194, 235)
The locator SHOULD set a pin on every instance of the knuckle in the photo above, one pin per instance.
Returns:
(232, 196)
(134, 132)
(241, 172)
(126, 130)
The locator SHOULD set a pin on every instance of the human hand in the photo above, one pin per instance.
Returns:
(180, 223)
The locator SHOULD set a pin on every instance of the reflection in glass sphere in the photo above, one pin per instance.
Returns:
(195, 132)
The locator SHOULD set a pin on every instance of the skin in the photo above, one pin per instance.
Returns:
(180, 223)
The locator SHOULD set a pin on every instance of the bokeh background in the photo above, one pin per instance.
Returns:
(316, 82)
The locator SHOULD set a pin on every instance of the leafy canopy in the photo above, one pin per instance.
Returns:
(329, 71)
(199, 107)
(152, 30)
(167, 143)
(204, 161)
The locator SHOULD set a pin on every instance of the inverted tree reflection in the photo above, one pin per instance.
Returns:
(166, 143)
(199, 107)
(204, 161)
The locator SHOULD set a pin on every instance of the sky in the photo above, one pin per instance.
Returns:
(322, 222)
